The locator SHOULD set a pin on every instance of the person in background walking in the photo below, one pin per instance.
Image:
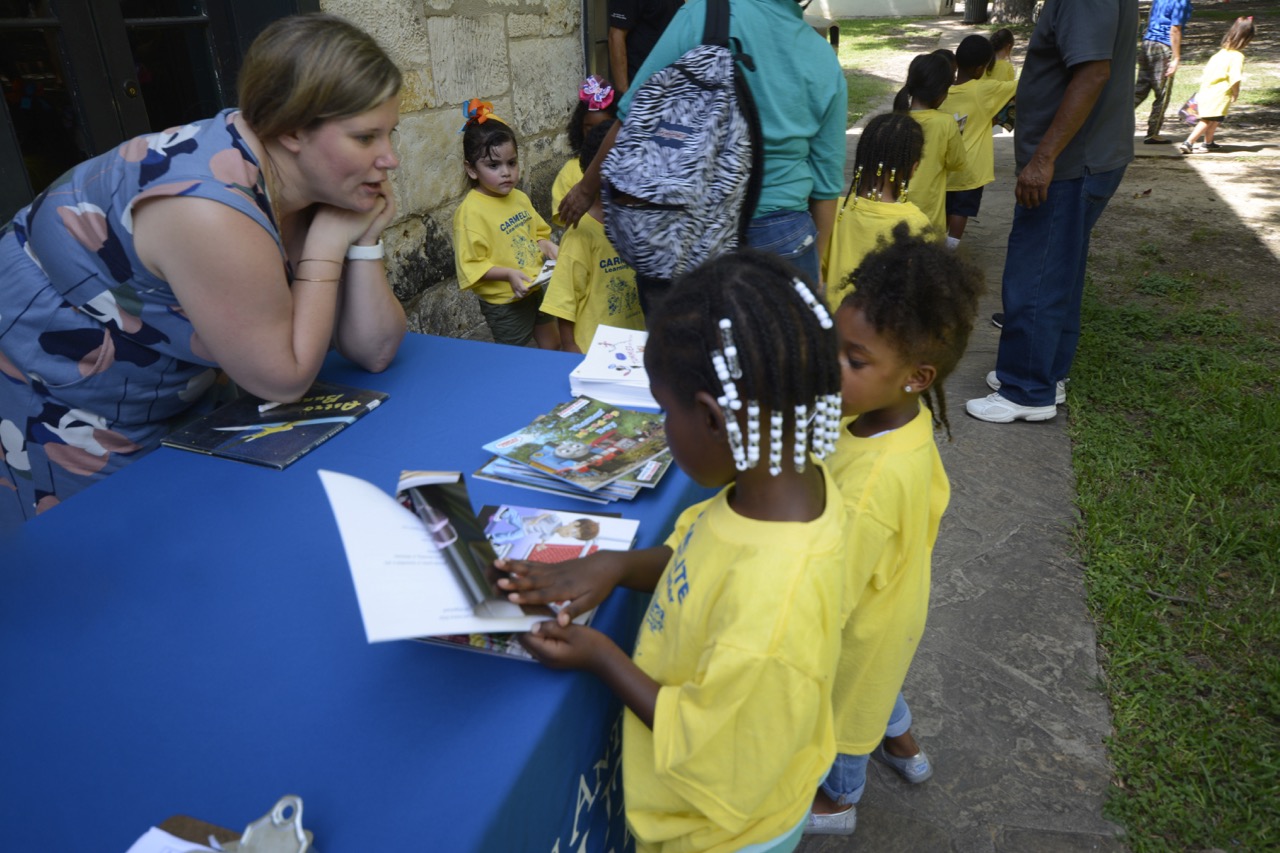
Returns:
(1158, 61)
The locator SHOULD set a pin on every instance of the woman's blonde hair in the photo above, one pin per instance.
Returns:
(306, 69)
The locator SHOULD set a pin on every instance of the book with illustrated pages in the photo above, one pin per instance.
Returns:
(541, 536)
(625, 488)
(585, 442)
(612, 370)
(422, 562)
(275, 435)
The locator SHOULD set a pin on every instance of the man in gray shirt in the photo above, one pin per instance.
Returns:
(1073, 142)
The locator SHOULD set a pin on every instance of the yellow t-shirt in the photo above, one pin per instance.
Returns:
(496, 232)
(742, 634)
(1002, 71)
(895, 491)
(859, 226)
(944, 152)
(1224, 69)
(591, 284)
(570, 173)
(977, 102)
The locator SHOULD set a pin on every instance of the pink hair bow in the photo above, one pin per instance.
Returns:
(595, 93)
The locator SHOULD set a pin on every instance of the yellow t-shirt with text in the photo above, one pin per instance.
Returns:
(977, 102)
(742, 634)
(591, 284)
(895, 491)
(491, 231)
(944, 153)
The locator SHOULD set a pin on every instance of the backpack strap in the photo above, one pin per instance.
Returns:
(716, 29)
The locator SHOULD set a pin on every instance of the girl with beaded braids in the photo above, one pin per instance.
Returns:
(901, 331)
(889, 152)
(732, 667)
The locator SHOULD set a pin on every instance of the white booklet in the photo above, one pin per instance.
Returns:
(417, 577)
(421, 561)
(613, 369)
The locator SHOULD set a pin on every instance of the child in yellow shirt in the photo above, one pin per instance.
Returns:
(597, 102)
(591, 285)
(499, 240)
(1002, 44)
(727, 728)
(974, 100)
(902, 331)
(887, 156)
(1219, 86)
(928, 79)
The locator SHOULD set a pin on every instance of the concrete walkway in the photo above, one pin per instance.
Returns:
(1005, 689)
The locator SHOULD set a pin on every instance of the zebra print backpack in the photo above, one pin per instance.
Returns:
(682, 179)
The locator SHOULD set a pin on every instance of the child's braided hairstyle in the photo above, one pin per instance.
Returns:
(787, 357)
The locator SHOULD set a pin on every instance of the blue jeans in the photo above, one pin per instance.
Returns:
(848, 776)
(791, 235)
(1043, 286)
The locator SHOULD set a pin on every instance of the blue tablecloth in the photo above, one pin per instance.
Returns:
(184, 639)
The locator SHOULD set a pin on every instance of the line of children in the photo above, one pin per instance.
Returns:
(591, 284)
(1219, 86)
(888, 154)
(596, 104)
(902, 331)
(975, 100)
(500, 242)
(728, 726)
(928, 79)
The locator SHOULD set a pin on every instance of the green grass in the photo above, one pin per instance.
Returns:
(866, 42)
(1175, 410)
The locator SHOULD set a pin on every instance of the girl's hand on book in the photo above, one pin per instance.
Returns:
(567, 646)
(578, 585)
(519, 283)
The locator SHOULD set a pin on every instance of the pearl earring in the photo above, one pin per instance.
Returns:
(907, 389)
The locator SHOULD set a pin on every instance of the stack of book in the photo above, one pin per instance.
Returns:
(613, 369)
(586, 449)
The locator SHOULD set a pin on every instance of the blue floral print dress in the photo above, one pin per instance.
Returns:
(96, 355)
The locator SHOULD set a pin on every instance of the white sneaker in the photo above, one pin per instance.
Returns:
(997, 410)
(1059, 397)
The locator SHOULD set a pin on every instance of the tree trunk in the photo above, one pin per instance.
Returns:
(1012, 11)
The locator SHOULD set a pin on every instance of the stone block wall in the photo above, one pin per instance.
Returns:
(524, 56)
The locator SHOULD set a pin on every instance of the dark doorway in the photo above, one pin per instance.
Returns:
(80, 76)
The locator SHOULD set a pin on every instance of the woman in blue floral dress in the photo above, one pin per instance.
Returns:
(248, 242)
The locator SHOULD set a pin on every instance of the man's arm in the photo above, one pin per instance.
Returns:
(1175, 44)
(618, 59)
(1087, 81)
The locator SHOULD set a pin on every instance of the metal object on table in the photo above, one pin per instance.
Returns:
(278, 831)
